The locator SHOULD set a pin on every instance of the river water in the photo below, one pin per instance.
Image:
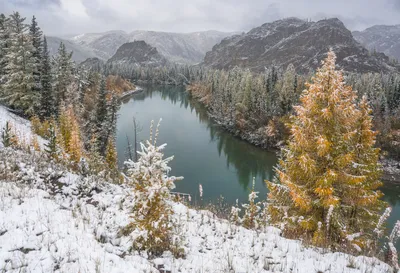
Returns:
(203, 152)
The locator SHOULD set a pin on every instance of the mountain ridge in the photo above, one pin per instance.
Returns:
(381, 38)
(292, 40)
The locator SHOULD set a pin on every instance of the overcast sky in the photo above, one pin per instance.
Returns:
(64, 17)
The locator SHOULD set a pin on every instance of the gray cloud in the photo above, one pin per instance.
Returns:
(34, 4)
(58, 17)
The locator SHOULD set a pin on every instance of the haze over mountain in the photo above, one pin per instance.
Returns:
(138, 53)
(302, 43)
(80, 53)
(381, 38)
(188, 48)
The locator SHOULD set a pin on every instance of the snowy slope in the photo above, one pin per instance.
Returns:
(21, 127)
(52, 220)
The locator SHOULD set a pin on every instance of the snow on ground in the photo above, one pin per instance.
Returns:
(72, 224)
(52, 220)
(21, 127)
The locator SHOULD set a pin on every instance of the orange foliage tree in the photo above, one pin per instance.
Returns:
(328, 176)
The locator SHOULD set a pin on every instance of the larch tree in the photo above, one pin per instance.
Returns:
(111, 155)
(152, 212)
(328, 176)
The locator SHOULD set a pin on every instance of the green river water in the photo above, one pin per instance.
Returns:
(203, 152)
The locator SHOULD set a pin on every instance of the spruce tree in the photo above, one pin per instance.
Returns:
(327, 179)
(63, 74)
(36, 38)
(47, 103)
(6, 135)
(51, 147)
(287, 92)
(101, 117)
(19, 87)
(4, 38)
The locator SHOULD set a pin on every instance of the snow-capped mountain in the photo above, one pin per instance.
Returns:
(104, 45)
(138, 53)
(80, 53)
(189, 48)
(381, 38)
(302, 43)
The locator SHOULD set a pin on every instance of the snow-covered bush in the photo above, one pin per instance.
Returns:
(152, 210)
(254, 216)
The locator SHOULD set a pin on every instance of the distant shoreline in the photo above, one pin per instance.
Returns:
(138, 89)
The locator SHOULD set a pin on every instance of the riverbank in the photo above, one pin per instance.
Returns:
(391, 170)
(267, 138)
(137, 89)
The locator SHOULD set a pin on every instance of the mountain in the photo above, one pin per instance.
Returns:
(139, 53)
(381, 38)
(80, 53)
(302, 43)
(94, 64)
(188, 48)
(104, 45)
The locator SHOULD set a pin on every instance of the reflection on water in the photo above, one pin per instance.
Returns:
(204, 153)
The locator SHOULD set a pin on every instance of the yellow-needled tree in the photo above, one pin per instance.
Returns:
(327, 179)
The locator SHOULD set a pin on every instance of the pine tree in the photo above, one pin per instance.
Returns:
(51, 147)
(19, 88)
(63, 74)
(328, 176)
(47, 103)
(6, 135)
(4, 38)
(101, 117)
(36, 38)
(287, 91)
(95, 160)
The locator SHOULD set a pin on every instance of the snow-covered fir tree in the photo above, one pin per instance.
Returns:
(19, 89)
(47, 100)
(101, 117)
(6, 135)
(51, 147)
(36, 36)
(153, 209)
(4, 39)
(62, 74)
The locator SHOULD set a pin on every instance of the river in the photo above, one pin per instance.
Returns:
(203, 152)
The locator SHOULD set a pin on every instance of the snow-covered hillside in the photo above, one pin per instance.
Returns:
(52, 220)
(20, 127)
